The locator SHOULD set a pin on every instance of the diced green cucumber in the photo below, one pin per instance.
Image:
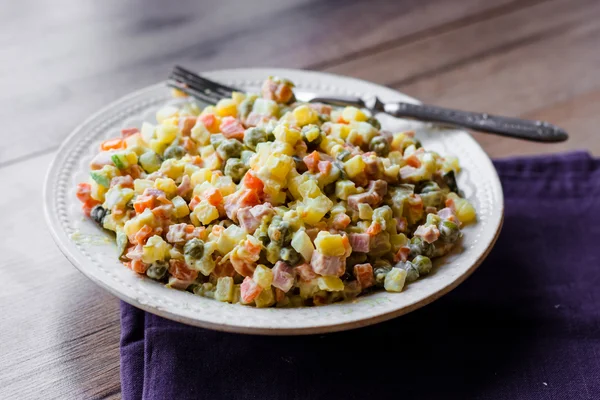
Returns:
(120, 160)
(100, 178)
(150, 161)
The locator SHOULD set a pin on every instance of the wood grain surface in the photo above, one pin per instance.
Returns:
(62, 60)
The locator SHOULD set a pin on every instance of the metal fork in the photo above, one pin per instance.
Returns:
(538, 131)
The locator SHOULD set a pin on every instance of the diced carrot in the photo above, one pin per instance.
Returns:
(84, 191)
(210, 122)
(279, 294)
(88, 205)
(110, 144)
(142, 202)
(180, 270)
(341, 221)
(143, 234)
(248, 198)
(188, 144)
(364, 275)
(139, 266)
(374, 229)
(324, 167)
(194, 202)
(186, 124)
(312, 161)
(413, 161)
(213, 196)
(224, 269)
(251, 181)
(402, 254)
(249, 290)
(196, 160)
(126, 132)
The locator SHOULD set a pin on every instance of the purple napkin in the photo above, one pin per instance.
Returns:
(526, 325)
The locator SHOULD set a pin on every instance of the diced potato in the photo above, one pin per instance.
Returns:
(365, 211)
(302, 244)
(117, 197)
(167, 185)
(330, 283)
(166, 112)
(309, 189)
(238, 97)
(166, 133)
(308, 289)
(354, 114)
(224, 183)
(226, 108)
(139, 185)
(305, 115)
(313, 210)
(265, 107)
(204, 213)
(266, 298)
(201, 176)
(172, 168)
(344, 188)
(147, 131)
(394, 280)
(340, 130)
(263, 276)
(391, 171)
(157, 146)
(200, 134)
(278, 166)
(354, 166)
(224, 290)
(330, 244)
(286, 134)
(97, 191)
(229, 238)
(180, 207)
(155, 249)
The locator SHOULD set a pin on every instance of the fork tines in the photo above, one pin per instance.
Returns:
(197, 86)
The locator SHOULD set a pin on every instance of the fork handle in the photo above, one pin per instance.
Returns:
(537, 131)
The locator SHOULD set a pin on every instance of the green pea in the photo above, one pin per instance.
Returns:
(422, 264)
(289, 255)
(194, 248)
(157, 270)
(449, 231)
(280, 231)
(412, 272)
(380, 274)
(174, 151)
(254, 136)
(236, 169)
(216, 139)
(380, 145)
(230, 148)
(273, 252)
(374, 123)
(419, 247)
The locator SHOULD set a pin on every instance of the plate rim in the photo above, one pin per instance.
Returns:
(58, 236)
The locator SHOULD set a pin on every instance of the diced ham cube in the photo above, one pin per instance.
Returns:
(304, 272)
(231, 128)
(184, 187)
(249, 290)
(341, 221)
(250, 218)
(177, 233)
(123, 181)
(373, 196)
(428, 233)
(364, 275)
(135, 253)
(283, 276)
(328, 265)
(447, 213)
(321, 108)
(126, 132)
(360, 242)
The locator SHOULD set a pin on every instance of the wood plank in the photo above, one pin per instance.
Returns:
(60, 332)
(533, 64)
(91, 55)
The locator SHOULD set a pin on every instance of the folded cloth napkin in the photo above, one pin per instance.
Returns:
(526, 325)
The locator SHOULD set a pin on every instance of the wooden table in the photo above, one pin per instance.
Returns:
(62, 60)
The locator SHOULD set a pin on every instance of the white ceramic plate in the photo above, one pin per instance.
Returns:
(93, 252)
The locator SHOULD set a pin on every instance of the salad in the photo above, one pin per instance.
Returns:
(263, 200)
